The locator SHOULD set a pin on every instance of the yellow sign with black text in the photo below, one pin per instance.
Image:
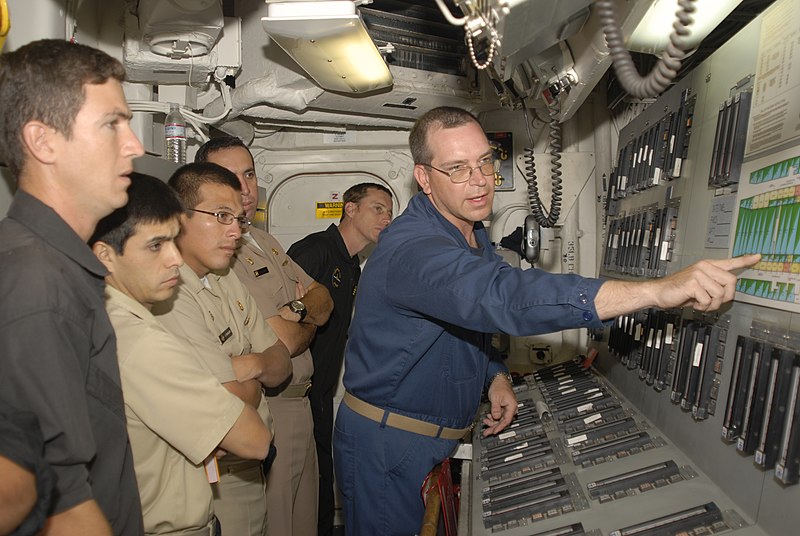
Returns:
(329, 210)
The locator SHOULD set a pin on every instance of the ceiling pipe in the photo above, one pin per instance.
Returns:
(267, 98)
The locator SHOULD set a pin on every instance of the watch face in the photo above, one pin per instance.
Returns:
(297, 306)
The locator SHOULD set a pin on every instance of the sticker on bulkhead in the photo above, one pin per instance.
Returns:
(329, 209)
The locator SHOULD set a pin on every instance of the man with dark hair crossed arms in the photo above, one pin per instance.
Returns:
(178, 413)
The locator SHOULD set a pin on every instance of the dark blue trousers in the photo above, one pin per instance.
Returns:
(380, 471)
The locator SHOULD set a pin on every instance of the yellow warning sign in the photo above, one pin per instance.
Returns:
(329, 209)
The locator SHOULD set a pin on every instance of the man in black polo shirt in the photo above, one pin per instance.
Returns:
(65, 135)
(331, 258)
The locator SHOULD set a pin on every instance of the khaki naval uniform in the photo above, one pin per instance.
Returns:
(177, 413)
(293, 480)
(219, 321)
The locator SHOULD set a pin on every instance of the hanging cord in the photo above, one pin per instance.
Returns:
(489, 53)
(544, 218)
(668, 65)
(555, 165)
(473, 23)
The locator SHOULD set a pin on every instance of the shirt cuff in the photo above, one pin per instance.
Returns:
(582, 299)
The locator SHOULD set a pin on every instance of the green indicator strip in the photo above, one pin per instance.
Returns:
(778, 170)
(784, 292)
(743, 231)
(794, 231)
(771, 230)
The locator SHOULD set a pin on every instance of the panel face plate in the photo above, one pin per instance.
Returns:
(565, 463)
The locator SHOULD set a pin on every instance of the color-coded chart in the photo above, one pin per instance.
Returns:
(768, 222)
(779, 170)
(768, 290)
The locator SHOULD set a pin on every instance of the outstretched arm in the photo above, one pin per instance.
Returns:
(704, 286)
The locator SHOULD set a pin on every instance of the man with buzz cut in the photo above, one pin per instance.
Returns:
(216, 316)
(331, 257)
(294, 305)
(178, 413)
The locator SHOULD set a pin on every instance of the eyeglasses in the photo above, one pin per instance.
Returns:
(226, 218)
(462, 172)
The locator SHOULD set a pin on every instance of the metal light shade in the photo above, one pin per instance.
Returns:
(651, 33)
(330, 42)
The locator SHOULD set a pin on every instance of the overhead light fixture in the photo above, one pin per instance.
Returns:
(652, 30)
(330, 42)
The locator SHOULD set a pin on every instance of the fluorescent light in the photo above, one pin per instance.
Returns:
(330, 42)
(651, 34)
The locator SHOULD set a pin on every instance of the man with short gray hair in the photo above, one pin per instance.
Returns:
(432, 294)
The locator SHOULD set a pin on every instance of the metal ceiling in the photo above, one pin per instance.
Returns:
(421, 37)
(424, 40)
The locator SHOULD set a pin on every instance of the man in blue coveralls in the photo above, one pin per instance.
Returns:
(430, 297)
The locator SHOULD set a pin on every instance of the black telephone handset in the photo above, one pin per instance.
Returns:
(531, 239)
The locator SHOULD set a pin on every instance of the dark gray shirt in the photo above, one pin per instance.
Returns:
(21, 442)
(58, 358)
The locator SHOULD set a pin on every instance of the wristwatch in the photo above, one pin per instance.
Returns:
(298, 307)
(505, 375)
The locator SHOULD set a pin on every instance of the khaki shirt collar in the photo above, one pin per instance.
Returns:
(122, 300)
(195, 285)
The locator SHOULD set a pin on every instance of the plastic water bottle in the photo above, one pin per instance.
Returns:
(175, 135)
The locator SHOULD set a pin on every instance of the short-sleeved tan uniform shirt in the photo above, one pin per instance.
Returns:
(177, 414)
(219, 321)
(271, 277)
(292, 487)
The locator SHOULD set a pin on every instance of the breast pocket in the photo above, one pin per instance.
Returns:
(105, 391)
(462, 356)
(102, 373)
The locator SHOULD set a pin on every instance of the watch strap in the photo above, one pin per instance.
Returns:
(301, 311)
